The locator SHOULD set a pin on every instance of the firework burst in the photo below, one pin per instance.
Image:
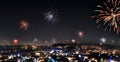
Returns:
(80, 34)
(24, 24)
(103, 40)
(109, 14)
(50, 16)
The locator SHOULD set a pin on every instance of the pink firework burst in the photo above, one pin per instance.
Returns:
(24, 24)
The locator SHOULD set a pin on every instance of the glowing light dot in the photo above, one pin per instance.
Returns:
(113, 41)
(73, 40)
(15, 41)
(103, 40)
(80, 34)
(50, 16)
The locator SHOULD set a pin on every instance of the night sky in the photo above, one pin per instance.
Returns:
(72, 17)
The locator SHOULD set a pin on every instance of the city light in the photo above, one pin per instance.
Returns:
(73, 40)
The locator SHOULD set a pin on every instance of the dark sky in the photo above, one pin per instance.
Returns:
(73, 16)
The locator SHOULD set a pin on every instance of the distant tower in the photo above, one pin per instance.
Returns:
(5, 42)
(35, 41)
(53, 40)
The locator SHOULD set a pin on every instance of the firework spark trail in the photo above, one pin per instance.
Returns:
(109, 13)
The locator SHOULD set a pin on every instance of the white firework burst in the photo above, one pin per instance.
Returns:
(50, 16)
(103, 40)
